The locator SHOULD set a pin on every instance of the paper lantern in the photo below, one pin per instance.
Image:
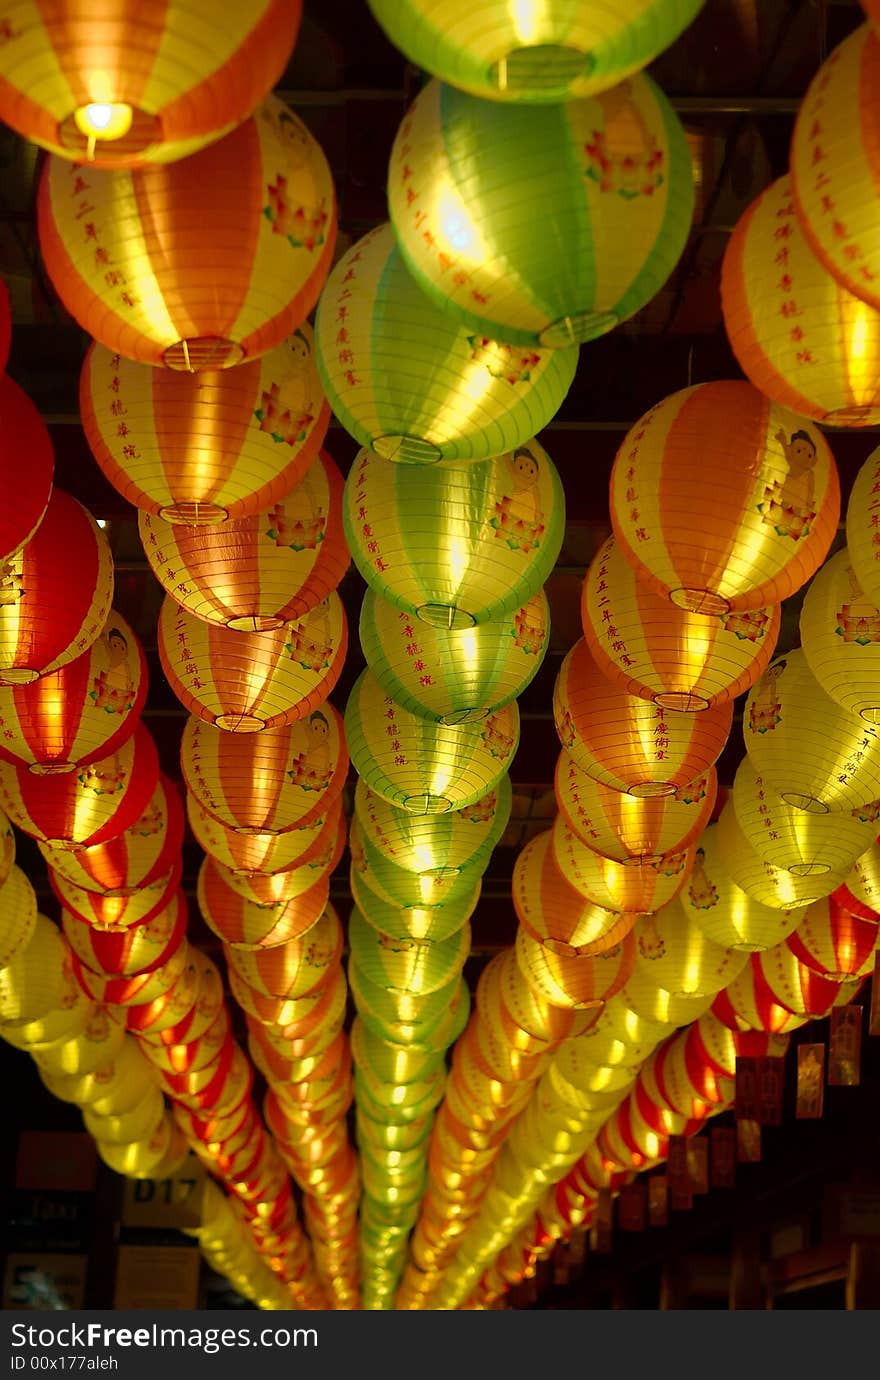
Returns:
(27, 460)
(840, 630)
(246, 682)
(748, 1004)
(138, 949)
(860, 891)
(626, 742)
(619, 1036)
(117, 912)
(674, 954)
(797, 988)
(406, 965)
(242, 922)
(140, 855)
(460, 544)
(775, 887)
(406, 381)
(762, 517)
(43, 1037)
(261, 853)
(805, 844)
(118, 89)
(422, 767)
(425, 923)
(33, 983)
(725, 913)
(815, 754)
(557, 52)
(160, 1156)
(94, 804)
(863, 549)
(261, 572)
(268, 783)
(294, 881)
(212, 260)
(136, 989)
(833, 943)
(580, 982)
(81, 712)
(798, 334)
(654, 1003)
(93, 1046)
(678, 658)
(55, 593)
(205, 448)
(629, 886)
(395, 887)
(833, 163)
(622, 826)
(611, 174)
(18, 914)
(437, 847)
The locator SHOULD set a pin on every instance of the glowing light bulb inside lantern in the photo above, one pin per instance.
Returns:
(104, 119)
(861, 334)
(525, 15)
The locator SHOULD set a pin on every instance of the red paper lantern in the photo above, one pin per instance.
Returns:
(96, 803)
(117, 912)
(81, 712)
(138, 949)
(261, 572)
(55, 593)
(215, 259)
(833, 943)
(27, 461)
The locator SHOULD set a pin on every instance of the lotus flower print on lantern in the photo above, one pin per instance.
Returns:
(118, 88)
(210, 446)
(212, 260)
(456, 545)
(757, 525)
(728, 915)
(532, 54)
(611, 174)
(410, 383)
(261, 572)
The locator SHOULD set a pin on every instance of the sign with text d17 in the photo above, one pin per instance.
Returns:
(164, 1203)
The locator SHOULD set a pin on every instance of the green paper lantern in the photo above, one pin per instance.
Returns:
(437, 846)
(432, 1094)
(389, 1136)
(405, 965)
(541, 225)
(391, 1063)
(456, 544)
(425, 768)
(440, 1017)
(407, 381)
(453, 676)
(559, 50)
(394, 888)
(425, 924)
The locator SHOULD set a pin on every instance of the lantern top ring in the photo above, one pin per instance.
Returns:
(407, 450)
(447, 616)
(577, 329)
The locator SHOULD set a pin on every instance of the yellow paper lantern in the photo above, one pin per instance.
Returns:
(725, 913)
(34, 982)
(674, 954)
(840, 632)
(771, 886)
(834, 162)
(862, 536)
(799, 335)
(396, 920)
(619, 1036)
(626, 828)
(815, 754)
(676, 657)
(575, 982)
(626, 742)
(246, 682)
(422, 767)
(759, 522)
(435, 846)
(49, 1032)
(18, 914)
(630, 886)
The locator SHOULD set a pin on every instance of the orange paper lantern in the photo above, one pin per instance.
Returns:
(555, 913)
(296, 968)
(631, 885)
(261, 853)
(277, 887)
(213, 260)
(242, 922)
(578, 983)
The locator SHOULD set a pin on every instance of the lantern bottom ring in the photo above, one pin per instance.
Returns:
(447, 616)
(699, 601)
(51, 768)
(407, 450)
(198, 352)
(805, 802)
(861, 414)
(541, 71)
(254, 623)
(464, 716)
(641, 860)
(239, 723)
(427, 804)
(808, 869)
(685, 701)
(194, 514)
(18, 675)
(651, 790)
(576, 329)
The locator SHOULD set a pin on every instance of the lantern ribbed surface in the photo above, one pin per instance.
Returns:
(435, 846)
(245, 682)
(34, 982)
(413, 920)
(761, 519)
(268, 782)
(556, 52)
(775, 887)
(199, 264)
(55, 593)
(860, 891)
(453, 676)
(245, 923)
(725, 913)
(161, 85)
(81, 712)
(574, 982)
(406, 965)
(27, 464)
(798, 334)
(624, 827)
(676, 955)
(678, 658)
(835, 161)
(91, 805)
(422, 767)
(834, 943)
(394, 886)
(840, 637)
(134, 859)
(202, 448)
(262, 853)
(555, 913)
(260, 572)
(794, 986)
(117, 912)
(138, 949)
(631, 886)
(277, 887)
(456, 544)
(815, 754)
(862, 539)
(799, 841)
(629, 743)
(408, 382)
(295, 968)
(18, 914)
(611, 174)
